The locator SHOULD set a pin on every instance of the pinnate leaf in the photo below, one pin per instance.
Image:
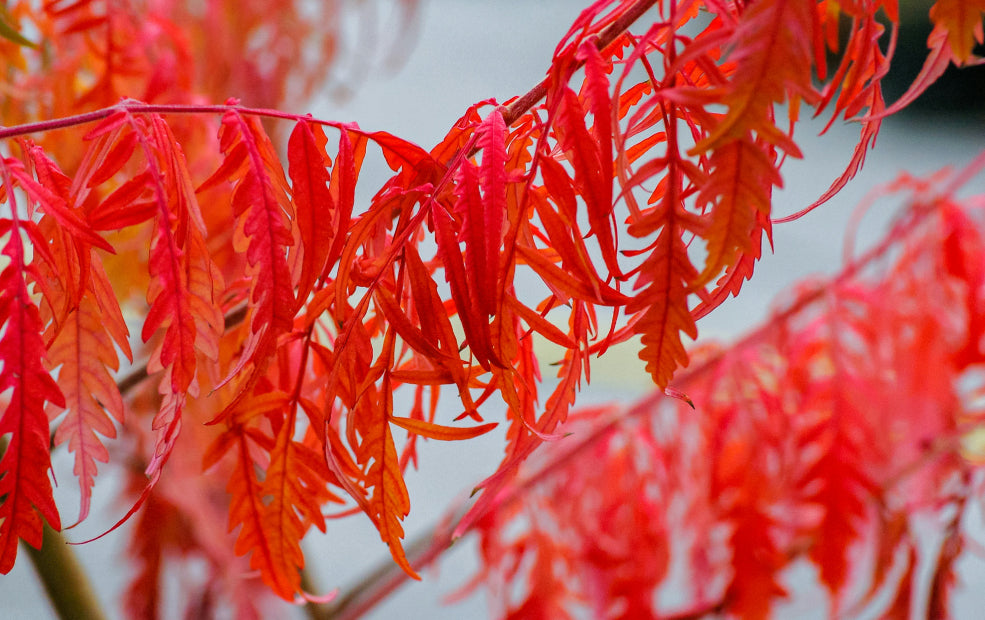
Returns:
(24, 484)
(773, 58)
(84, 352)
(261, 204)
(739, 186)
(667, 273)
(313, 202)
(388, 502)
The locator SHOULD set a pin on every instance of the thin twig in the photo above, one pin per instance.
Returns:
(605, 38)
(387, 577)
(138, 374)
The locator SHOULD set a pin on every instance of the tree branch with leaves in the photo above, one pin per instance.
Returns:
(295, 339)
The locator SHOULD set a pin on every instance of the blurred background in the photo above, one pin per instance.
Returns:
(462, 51)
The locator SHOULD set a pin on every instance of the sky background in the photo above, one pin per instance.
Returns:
(466, 51)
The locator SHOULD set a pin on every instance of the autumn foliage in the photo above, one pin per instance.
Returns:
(823, 437)
(271, 338)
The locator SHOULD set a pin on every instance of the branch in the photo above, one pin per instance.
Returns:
(387, 577)
(605, 38)
(137, 107)
(139, 373)
(55, 561)
(64, 580)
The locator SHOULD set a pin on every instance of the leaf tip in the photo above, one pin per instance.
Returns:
(679, 395)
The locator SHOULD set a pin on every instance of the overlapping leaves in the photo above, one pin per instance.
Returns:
(308, 329)
(819, 438)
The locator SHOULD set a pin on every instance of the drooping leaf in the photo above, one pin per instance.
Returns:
(666, 317)
(440, 431)
(475, 326)
(24, 483)
(296, 485)
(388, 502)
(773, 59)
(586, 157)
(260, 201)
(246, 511)
(84, 352)
(313, 203)
(483, 214)
(739, 186)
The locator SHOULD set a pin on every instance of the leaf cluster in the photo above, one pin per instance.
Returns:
(298, 329)
(822, 438)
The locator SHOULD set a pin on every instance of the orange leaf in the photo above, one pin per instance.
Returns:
(439, 431)
(739, 186)
(388, 502)
(773, 57)
(961, 21)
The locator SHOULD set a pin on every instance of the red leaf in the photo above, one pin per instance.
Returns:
(24, 484)
(343, 187)
(113, 160)
(126, 206)
(399, 321)
(54, 205)
(567, 284)
(667, 271)
(756, 560)
(585, 154)
(313, 203)
(600, 104)
(475, 325)
(260, 201)
(492, 178)
(170, 309)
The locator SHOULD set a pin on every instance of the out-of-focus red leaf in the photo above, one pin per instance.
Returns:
(959, 22)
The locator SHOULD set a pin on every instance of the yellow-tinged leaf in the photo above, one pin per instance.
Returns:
(962, 19)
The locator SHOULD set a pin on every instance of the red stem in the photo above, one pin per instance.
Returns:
(605, 38)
